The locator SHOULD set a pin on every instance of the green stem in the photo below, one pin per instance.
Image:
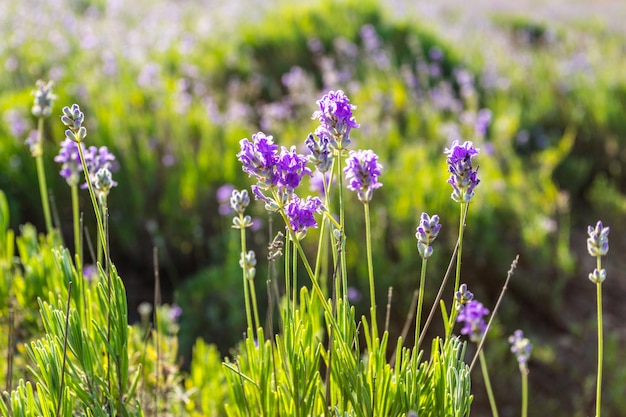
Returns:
(420, 301)
(344, 268)
(600, 343)
(294, 278)
(246, 291)
(492, 400)
(525, 393)
(94, 201)
(41, 176)
(76, 217)
(458, 255)
(370, 270)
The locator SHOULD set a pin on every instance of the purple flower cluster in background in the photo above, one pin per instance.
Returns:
(472, 315)
(521, 348)
(98, 158)
(69, 158)
(362, 173)
(335, 116)
(463, 176)
(300, 213)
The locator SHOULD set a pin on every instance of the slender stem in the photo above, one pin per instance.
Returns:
(294, 279)
(246, 291)
(458, 255)
(420, 300)
(457, 281)
(600, 343)
(344, 268)
(41, 176)
(94, 202)
(524, 393)
(492, 400)
(370, 270)
(78, 253)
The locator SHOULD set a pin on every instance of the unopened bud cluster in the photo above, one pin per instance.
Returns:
(73, 119)
(42, 106)
(103, 182)
(597, 246)
(427, 232)
(248, 264)
(463, 296)
(239, 201)
(521, 348)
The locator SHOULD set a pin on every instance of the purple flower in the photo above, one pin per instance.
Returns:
(175, 312)
(472, 317)
(335, 115)
(426, 233)
(300, 213)
(33, 143)
(318, 144)
(521, 347)
(463, 176)
(97, 159)
(16, 122)
(598, 240)
(259, 159)
(290, 168)
(69, 157)
(223, 195)
(362, 173)
(483, 120)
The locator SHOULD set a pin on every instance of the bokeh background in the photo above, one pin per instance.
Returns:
(172, 86)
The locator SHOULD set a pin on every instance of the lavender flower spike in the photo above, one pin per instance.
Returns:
(318, 144)
(69, 157)
(259, 159)
(427, 232)
(42, 106)
(463, 176)
(472, 317)
(335, 115)
(290, 169)
(362, 173)
(598, 240)
(521, 347)
(300, 214)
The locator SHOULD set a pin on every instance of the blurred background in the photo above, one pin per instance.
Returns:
(171, 87)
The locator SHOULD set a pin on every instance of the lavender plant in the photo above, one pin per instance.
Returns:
(42, 108)
(281, 374)
(598, 246)
(521, 348)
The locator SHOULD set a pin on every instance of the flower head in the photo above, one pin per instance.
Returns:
(463, 176)
(521, 347)
(318, 144)
(69, 157)
(259, 159)
(103, 182)
(362, 173)
(291, 168)
(427, 232)
(42, 106)
(97, 158)
(335, 115)
(472, 316)
(301, 212)
(598, 240)
(73, 119)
